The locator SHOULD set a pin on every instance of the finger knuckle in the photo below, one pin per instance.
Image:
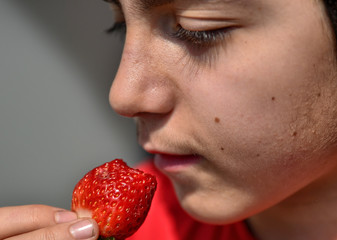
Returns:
(35, 214)
(48, 234)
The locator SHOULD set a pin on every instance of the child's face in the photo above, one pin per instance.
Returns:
(249, 107)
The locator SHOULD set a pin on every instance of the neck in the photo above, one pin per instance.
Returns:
(310, 214)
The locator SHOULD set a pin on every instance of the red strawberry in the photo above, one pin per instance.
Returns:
(116, 196)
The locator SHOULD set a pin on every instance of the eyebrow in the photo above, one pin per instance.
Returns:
(145, 4)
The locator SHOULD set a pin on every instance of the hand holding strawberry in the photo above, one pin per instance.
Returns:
(116, 196)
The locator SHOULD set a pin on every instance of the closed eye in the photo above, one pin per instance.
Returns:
(201, 38)
(119, 27)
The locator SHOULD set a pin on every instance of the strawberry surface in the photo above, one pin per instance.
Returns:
(116, 196)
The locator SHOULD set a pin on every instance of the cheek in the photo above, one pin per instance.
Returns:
(262, 111)
(256, 97)
(266, 112)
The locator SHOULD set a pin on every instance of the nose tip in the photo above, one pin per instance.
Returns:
(130, 104)
(139, 90)
(121, 103)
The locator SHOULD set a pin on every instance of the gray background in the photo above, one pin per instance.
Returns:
(56, 67)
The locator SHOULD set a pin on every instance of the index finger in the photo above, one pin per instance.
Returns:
(22, 219)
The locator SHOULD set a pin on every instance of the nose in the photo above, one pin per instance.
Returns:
(141, 85)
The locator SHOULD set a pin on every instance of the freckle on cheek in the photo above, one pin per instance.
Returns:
(273, 98)
(217, 120)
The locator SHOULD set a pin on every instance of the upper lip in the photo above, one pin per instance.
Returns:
(174, 147)
(165, 152)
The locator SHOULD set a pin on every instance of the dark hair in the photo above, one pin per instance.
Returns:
(331, 8)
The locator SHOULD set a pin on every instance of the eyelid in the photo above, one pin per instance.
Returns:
(202, 39)
(203, 24)
(117, 27)
(204, 13)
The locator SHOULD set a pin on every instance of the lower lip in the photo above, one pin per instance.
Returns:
(174, 163)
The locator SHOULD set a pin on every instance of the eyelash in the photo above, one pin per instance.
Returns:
(196, 38)
(201, 38)
(119, 27)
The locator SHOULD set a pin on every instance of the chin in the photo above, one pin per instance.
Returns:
(213, 216)
(202, 207)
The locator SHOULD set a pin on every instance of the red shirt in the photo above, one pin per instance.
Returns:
(168, 221)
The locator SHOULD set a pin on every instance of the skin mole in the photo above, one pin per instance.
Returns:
(217, 120)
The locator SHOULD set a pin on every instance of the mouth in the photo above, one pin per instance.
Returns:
(174, 163)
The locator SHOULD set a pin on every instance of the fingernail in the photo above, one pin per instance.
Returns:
(82, 230)
(65, 216)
